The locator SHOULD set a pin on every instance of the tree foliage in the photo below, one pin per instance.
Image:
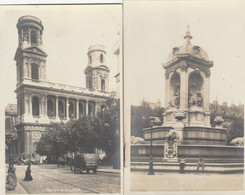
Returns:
(140, 117)
(84, 134)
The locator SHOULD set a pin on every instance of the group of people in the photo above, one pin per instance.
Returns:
(200, 163)
(11, 179)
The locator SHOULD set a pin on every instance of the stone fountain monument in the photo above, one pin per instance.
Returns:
(186, 129)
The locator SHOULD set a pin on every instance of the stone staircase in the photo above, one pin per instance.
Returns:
(221, 166)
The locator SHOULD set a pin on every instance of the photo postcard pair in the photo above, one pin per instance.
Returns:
(133, 97)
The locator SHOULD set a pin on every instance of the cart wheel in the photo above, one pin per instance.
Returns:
(94, 170)
(87, 170)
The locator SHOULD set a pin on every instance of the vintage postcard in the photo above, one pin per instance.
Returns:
(183, 91)
(60, 70)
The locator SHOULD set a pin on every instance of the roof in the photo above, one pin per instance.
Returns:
(188, 48)
(11, 108)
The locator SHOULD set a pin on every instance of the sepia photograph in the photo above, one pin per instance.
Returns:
(183, 80)
(60, 71)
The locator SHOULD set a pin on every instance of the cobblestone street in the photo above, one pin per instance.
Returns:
(51, 179)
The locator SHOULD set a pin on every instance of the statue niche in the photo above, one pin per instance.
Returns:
(170, 146)
(175, 91)
(195, 90)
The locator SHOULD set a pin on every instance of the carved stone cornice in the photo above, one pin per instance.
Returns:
(207, 74)
(188, 58)
(167, 75)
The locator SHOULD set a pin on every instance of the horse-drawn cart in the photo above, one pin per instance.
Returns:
(86, 162)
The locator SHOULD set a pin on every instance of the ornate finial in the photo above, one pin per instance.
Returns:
(188, 36)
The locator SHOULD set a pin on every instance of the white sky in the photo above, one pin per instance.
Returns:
(152, 29)
(68, 32)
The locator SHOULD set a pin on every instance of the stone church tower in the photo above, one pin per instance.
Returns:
(97, 72)
(30, 57)
(31, 65)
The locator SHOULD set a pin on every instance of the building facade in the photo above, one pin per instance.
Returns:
(40, 102)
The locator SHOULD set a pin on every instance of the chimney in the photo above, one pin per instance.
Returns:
(215, 103)
(225, 105)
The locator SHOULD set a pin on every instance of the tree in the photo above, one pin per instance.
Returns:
(84, 134)
(140, 117)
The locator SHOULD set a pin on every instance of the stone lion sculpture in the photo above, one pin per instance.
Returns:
(239, 141)
(137, 140)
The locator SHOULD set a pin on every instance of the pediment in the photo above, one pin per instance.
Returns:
(35, 50)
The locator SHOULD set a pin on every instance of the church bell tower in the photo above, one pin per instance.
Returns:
(97, 72)
(30, 57)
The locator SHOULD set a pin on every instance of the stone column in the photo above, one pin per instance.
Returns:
(167, 75)
(77, 109)
(86, 105)
(67, 108)
(30, 103)
(206, 94)
(57, 107)
(26, 142)
(26, 103)
(183, 87)
(44, 104)
(30, 142)
(206, 97)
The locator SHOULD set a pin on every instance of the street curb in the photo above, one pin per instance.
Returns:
(104, 171)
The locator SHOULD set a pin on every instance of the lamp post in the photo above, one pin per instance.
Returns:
(151, 171)
(9, 139)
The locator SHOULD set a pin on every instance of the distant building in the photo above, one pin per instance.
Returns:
(227, 112)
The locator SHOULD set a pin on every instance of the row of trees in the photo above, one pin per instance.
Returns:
(84, 134)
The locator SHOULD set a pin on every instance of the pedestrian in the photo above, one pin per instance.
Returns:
(200, 163)
(182, 165)
(11, 180)
(28, 176)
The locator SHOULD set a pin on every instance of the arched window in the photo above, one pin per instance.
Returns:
(33, 37)
(7, 124)
(35, 106)
(90, 60)
(103, 108)
(61, 109)
(34, 71)
(102, 84)
(81, 110)
(90, 110)
(50, 109)
(71, 110)
(34, 146)
(101, 58)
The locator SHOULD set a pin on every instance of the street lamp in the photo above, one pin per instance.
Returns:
(9, 138)
(151, 171)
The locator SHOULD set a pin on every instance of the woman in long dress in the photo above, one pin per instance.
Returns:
(11, 180)
(28, 176)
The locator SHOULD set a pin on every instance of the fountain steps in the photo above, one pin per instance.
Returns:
(189, 167)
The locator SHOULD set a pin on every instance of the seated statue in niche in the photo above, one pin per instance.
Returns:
(176, 97)
(195, 96)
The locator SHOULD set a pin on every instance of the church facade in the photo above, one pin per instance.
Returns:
(40, 102)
